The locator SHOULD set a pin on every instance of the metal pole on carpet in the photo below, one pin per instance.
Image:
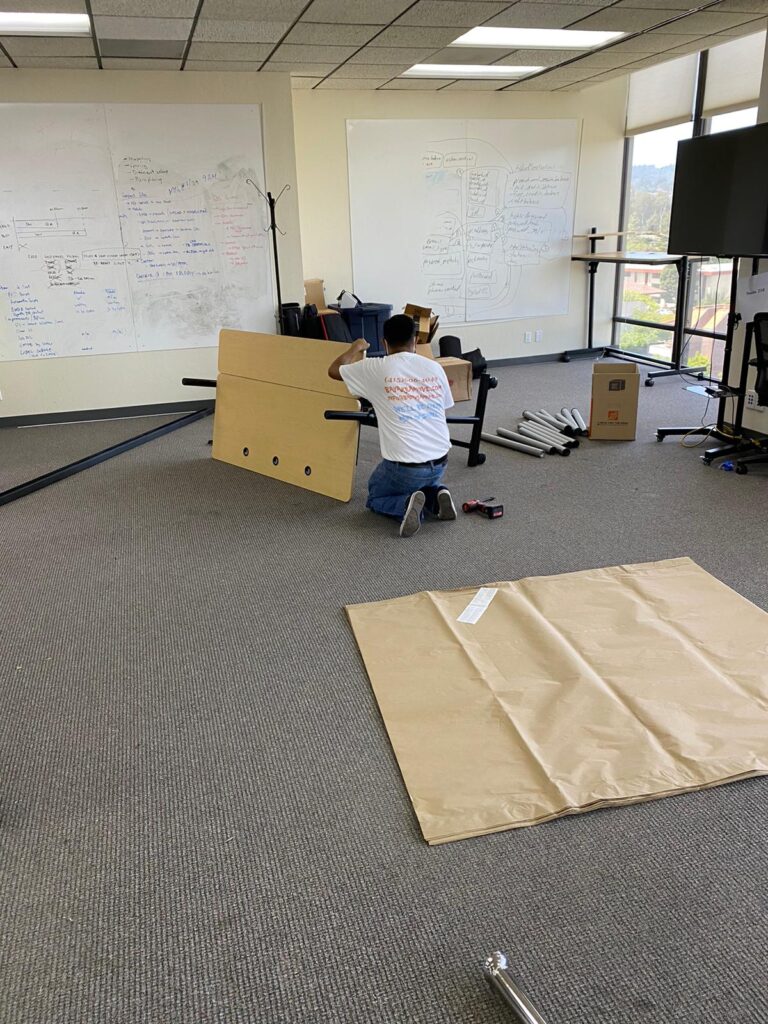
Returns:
(497, 976)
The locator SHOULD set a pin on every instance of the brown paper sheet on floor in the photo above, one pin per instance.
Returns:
(569, 693)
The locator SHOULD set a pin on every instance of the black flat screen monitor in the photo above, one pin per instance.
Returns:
(720, 196)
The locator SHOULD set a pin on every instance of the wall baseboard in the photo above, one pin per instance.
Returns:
(119, 413)
(550, 357)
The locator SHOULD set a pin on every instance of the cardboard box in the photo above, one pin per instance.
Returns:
(459, 374)
(426, 324)
(615, 392)
(425, 350)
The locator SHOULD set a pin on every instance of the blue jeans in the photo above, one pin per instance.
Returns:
(391, 485)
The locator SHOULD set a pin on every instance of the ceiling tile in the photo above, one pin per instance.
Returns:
(642, 44)
(649, 43)
(44, 6)
(370, 70)
(413, 36)
(254, 10)
(142, 28)
(453, 13)
(659, 5)
(351, 83)
(468, 85)
(136, 64)
(221, 31)
(391, 55)
(304, 82)
(340, 35)
(544, 57)
(300, 68)
(45, 46)
(534, 15)
(572, 73)
(319, 54)
(156, 49)
(748, 6)
(531, 85)
(468, 55)
(222, 65)
(707, 22)
(425, 84)
(359, 12)
(607, 59)
(145, 8)
(623, 19)
(229, 51)
(57, 62)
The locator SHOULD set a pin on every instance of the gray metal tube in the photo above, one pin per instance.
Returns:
(580, 420)
(566, 414)
(512, 436)
(497, 976)
(535, 417)
(556, 435)
(526, 448)
(538, 432)
(527, 438)
(559, 421)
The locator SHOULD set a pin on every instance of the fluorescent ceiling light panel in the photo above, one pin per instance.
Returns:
(30, 24)
(546, 38)
(468, 71)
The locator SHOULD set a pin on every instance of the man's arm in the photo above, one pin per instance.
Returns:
(352, 355)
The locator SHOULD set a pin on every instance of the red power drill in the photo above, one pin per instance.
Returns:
(484, 507)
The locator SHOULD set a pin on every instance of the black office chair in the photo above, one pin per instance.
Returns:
(760, 334)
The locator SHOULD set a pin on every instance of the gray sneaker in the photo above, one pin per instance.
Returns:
(411, 520)
(445, 508)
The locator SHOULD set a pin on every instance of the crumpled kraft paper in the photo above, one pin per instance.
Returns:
(568, 693)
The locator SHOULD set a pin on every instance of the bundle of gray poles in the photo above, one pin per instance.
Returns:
(542, 433)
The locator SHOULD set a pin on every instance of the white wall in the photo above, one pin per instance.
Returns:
(321, 153)
(108, 381)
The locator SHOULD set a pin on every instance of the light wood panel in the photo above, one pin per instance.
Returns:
(280, 432)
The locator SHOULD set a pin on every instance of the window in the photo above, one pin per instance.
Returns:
(648, 294)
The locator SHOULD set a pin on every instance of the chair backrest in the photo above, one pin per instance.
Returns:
(761, 354)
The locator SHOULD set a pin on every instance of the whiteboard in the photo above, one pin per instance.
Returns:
(471, 217)
(128, 228)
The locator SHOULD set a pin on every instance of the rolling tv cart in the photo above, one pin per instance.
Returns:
(733, 442)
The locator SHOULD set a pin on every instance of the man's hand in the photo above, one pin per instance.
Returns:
(353, 354)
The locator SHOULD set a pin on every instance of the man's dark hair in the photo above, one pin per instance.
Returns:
(399, 330)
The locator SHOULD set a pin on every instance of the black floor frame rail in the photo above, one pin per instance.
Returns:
(39, 482)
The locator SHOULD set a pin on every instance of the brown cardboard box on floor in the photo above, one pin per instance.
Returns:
(615, 392)
(426, 324)
(459, 374)
(314, 293)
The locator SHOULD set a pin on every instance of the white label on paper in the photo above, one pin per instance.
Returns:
(477, 605)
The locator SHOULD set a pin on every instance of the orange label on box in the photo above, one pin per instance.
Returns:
(613, 414)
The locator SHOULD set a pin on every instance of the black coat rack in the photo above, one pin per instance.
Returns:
(272, 202)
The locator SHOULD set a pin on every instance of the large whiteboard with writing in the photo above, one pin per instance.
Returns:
(128, 228)
(471, 217)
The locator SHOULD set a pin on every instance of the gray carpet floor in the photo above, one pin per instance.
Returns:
(201, 819)
(28, 452)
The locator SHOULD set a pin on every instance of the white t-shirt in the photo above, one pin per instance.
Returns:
(409, 394)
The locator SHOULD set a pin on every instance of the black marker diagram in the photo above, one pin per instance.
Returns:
(491, 221)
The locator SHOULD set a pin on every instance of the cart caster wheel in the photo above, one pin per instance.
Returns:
(565, 358)
(659, 437)
(480, 459)
(649, 382)
(706, 461)
(741, 469)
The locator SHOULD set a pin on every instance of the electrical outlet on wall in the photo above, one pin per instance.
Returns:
(539, 336)
(753, 402)
(527, 337)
